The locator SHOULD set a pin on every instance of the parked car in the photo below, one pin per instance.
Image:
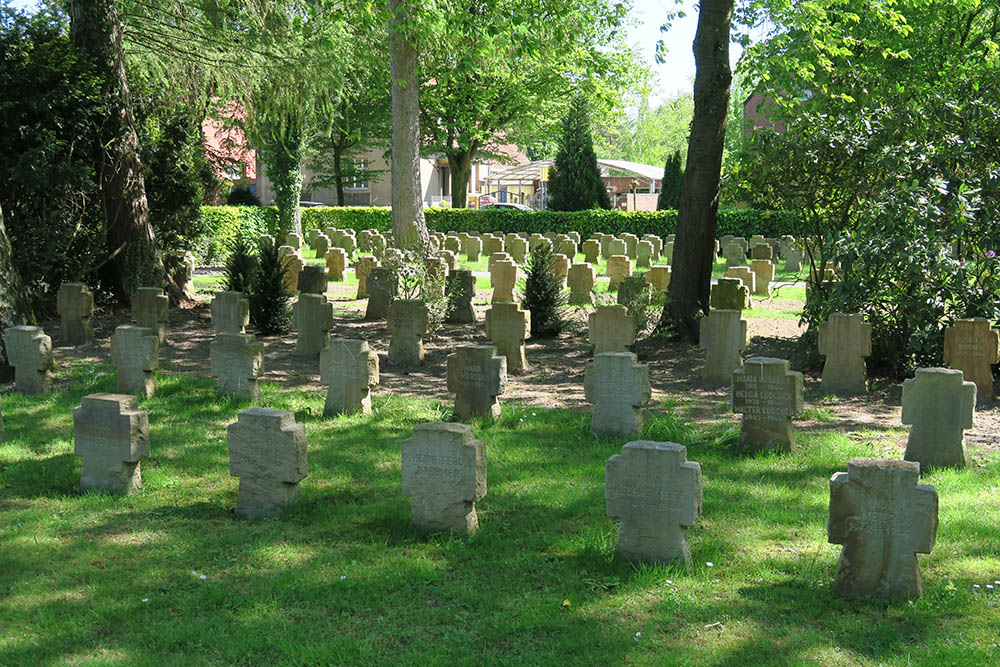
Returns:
(509, 206)
(311, 204)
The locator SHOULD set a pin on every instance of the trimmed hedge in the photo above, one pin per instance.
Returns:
(224, 222)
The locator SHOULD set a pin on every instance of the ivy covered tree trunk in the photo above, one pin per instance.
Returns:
(135, 260)
(285, 169)
(408, 226)
(697, 215)
(460, 165)
(15, 307)
(338, 172)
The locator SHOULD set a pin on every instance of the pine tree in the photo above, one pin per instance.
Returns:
(670, 186)
(575, 183)
(270, 304)
(543, 296)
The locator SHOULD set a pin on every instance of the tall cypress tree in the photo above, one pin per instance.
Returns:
(575, 183)
(670, 186)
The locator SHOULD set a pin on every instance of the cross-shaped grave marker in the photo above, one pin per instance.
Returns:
(29, 351)
(237, 361)
(503, 277)
(611, 329)
(477, 377)
(972, 346)
(407, 321)
(230, 312)
(507, 325)
(618, 387)
(939, 405)
(581, 278)
(150, 309)
(135, 352)
(845, 340)
(112, 437)
(75, 303)
(724, 336)
(350, 369)
(730, 294)
(656, 494)
(313, 321)
(444, 473)
(267, 451)
(768, 395)
(883, 518)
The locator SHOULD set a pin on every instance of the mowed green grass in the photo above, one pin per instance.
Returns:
(170, 576)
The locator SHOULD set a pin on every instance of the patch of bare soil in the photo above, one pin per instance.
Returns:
(556, 373)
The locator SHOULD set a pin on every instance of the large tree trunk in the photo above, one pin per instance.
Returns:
(338, 172)
(408, 227)
(697, 214)
(136, 260)
(287, 182)
(460, 165)
(15, 306)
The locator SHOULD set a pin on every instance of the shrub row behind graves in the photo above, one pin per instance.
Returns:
(224, 224)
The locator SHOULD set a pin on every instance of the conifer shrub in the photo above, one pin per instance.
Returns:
(543, 295)
(270, 303)
(241, 266)
(670, 185)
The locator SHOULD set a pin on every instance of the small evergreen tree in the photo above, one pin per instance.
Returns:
(670, 186)
(575, 183)
(270, 304)
(241, 266)
(543, 295)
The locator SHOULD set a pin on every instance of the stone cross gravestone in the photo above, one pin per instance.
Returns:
(763, 271)
(617, 247)
(350, 369)
(619, 268)
(313, 321)
(135, 353)
(591, 251)
(643, 254)
(518, 249)
(312, 279)
(730, 294)
(436, 272)
(180, 267)
(267, 451)
(460, 288)
(150, 309)
(362, 269)
(472, 247)
(321, 244)
(560, 268)
(611, 329)
(336, 263)
(477, 377)
(971, 346)
(568, 247)
(294, 240)
(407, 321)
(657, 245)
(658, 277)
(744, 274)
(237, 361)
(631, 240)
(494, 244)
(793, 259)
(230, 312)
(112, 437)
(581, 278)
(655, 493)
(761, 251)
(883, 518)
(667, 254)
(735, 254)
(845, 340)
(503, 277)
(382, 287)
(939, 405)
(293, 267)
(75, 303)
(507, 325)
(618, 387)
(444, 473)
(768, 395)
(29, 351)
(724, 337)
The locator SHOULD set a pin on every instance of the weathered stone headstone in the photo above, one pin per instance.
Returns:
(444, 473)
(785, 242)
(313, 320)
(135, 353)
(793, 258)
(560, 268)
(180, 266)
(617, 247)
(348, 242)
(336, 263)
(436, 272)
(657, 245)
(267, 451)
(75, 303)
(112, 437)
(362, 269)
(605, 240)
(643, 254)
(293, 240)
(618, 387)
(768, 395)
(763, 270)
(378, 244)
(473, 247)
(592, 251)
(150, 308)
(293, 266)
(230, 312)
(761, 251)
(477, 377)
(658, 277)
(619, 268)
(237, 361)
(567, 247)
(940, 405)
(382, 287)
(971, 346)
(734, 254)
(407, 321)
(453, 243)
(350, 369)
(460, 288)
(518, 249)
(845, 340)
(581, 278)
(730, 294)
(312, 279)
(29, 351)
(724, 337)
(630, 244)
(611, 329)
(655, 493)
(321, 244)
(507, 325)
(494, 244)
(503, 277)
(743, 273)
(883, 518)
(667, 254)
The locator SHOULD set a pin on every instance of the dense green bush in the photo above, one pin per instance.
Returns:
(241, 265)
(224, 224)
(270, 303)
(241, 196)
(543, 295)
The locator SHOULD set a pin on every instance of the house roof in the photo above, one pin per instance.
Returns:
(531, 170)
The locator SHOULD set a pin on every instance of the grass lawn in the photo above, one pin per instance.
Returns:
(169, 576)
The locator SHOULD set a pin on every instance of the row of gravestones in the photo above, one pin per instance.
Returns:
(878, 512)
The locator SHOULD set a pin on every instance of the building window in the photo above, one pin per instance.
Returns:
(359, 181)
